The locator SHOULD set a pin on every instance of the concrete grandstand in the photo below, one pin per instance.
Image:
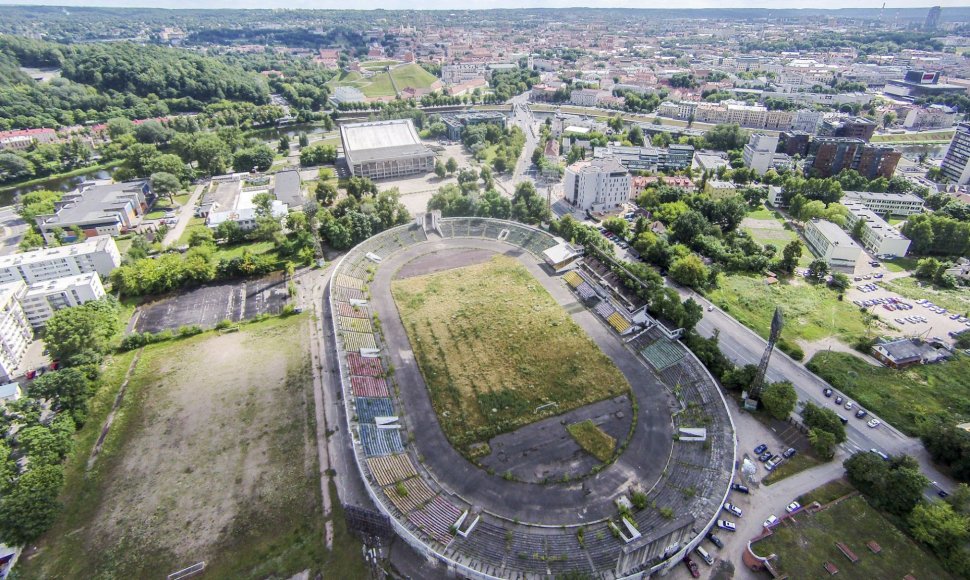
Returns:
(385, 149)
(478, 524)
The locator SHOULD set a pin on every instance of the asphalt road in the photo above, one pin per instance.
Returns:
(743, 346)
(13, 229)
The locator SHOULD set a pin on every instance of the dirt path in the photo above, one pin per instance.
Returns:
(111, 415)
(810, 348)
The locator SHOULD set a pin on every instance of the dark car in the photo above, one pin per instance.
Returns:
(942, 493)
(827, 392)
(765, 456)
(741, 488)
(692, 566)
(839, 399)
(789, 452)
(861, 413)
(715, 540)
(760, 449)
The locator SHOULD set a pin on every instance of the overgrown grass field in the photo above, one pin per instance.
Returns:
(593, 439)
(211, 457)
(903, 398)
(805, 544)
(494, 346)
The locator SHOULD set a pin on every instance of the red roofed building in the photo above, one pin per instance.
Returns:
(23, 138)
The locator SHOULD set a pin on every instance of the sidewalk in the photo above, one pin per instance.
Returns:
(186, 212)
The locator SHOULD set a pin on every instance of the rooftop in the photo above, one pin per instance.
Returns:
(61, 284)
(288, 190)
(381, 140)
(833, 233)
(90, 245)
(883, 196)
(96, 203)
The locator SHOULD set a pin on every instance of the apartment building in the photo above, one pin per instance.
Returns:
(588, 97)
(462, 72)
(672, 158)
(44, 298)
(15, 331)
(830, 155)
(98, 254)
(931, 117)
(956, 162)
(759, 153)
(830, 243)
(877, 236)
(897, 204)
(597, 185)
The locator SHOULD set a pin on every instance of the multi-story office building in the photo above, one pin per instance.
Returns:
(98, 254)
(850, 127)
(672, 158)
(899, 204)
(956, 162)
(97, 210)
(830, 155)
(877, 236)
(15, 331)
(830, 243)
(759, 153)
(44, 298)
(597, 185)
(456, 124)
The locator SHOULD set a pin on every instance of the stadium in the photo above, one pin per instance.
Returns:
(385, 149)
(521, 499)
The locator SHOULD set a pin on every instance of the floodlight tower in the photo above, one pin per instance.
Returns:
(777, 323)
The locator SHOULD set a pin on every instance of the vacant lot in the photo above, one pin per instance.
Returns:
(768, 227)
(955, 300)
(379, 85)
(804, 545)
(211, 457)
(903, 398)
(493, 347)
(812, 312)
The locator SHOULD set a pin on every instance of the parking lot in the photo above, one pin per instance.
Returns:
(209, 305)
(910, 317)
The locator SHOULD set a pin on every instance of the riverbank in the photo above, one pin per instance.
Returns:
(5, 189)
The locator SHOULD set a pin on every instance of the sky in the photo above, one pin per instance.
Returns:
(485, 4)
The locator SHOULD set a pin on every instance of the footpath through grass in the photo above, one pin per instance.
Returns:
(812, 312)
(211, 457)
(806, 542)
(903, 398)
(497, 352)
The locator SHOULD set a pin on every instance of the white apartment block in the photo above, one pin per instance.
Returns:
(587, 97)
(759, 153)
(806, 120)
(877, 236)
(97, 254)
(900, 204)
(44, 298)
(462, 72)
(931, 117)
(830, 243)
(15, 331)
(597, 185)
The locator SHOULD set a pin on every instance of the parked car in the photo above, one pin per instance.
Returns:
(839, 399)
(849, 405)
(726, 525)
(789, 453)
(732, 509)
(793, 507)
(765, 456)
(772, 463)
(861, 413)
(695, 571)
(827, 392)
(880, 454)
(873, 423)
(772, 520)
(741, 488)
(715, 540)
(760, 449)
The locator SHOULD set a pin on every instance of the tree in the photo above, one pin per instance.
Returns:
(439, 169)
(689, 271)
(451, 165)
(636, 135)
(726, 137)
(494, 205)
(357, 187)
(304, 139)
(14, 167)
(31, 507)
(840, 282)
(80, 329)
(618, 226)
(318, 154)
(326, 193)
(256, 158)
(740, 378)
(527, 206)
(201, 236)
(818, 270)
(68, 388)
(895, 485)
(48, 446)
(824, 419)
(790, 256)
(165, 184)
(779, 399)
(822, 442)
(153, 132)
(169, 163)
(688, 226)
(937, 525)
(118, 127)
(284, 145)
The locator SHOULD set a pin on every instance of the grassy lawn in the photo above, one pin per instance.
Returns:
(591, 438)
(768, 227)
(493, 346)
(195, 223)
(230, 252)
(955, 300)
(790, 467)
(900, 264)
(377, 64)
(379, 85)
(217, 466)
(903, 398)
(155, 214)
(763, 213)
(812, 312)
(805, 545)
(935, 137)
(828, 492)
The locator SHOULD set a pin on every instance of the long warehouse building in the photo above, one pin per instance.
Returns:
(385, 149)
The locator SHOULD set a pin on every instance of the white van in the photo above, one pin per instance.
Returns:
(704, 555)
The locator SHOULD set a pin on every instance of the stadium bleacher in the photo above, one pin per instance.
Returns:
(369, 387)
(378, 442)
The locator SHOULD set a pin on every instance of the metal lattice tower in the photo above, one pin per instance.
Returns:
(777, 323)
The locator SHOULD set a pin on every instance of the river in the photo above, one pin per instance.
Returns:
(9, 196)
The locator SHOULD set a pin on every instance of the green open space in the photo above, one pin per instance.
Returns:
(768, 227)
(956, 300)
(790, 467)
(378, 64)
(897, 265)
(905, 398)
(812, 312)
(929, 137)
(803, 544)
(827, 492)
(379, 85)
(196, 223)
(497, 352)
(593, 439)
(217, 466)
